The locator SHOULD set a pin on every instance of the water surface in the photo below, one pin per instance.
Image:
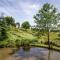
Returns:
(33, 53)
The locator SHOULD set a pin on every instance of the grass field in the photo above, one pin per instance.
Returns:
(20, 37)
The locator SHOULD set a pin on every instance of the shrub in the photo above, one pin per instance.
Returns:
(18, 42)
(10, 43)
(27, 42)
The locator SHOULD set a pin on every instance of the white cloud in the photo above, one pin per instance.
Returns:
(20, 10)
(29, 9)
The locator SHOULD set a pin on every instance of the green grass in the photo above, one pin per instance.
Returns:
(19, 36)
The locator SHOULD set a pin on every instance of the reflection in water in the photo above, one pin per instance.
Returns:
(33, 53)
(26, 48)
(49, 55)
(38, 53)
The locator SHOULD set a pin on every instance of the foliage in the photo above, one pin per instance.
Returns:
(9, 21)
(3, 29)
(27, 42)
(25, 25)
(3, 34)
(18, 42)
(5, 22)
(47, 18)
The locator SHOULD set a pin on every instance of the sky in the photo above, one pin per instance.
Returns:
(24, 10)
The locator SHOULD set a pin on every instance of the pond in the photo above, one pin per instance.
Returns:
(33, 53)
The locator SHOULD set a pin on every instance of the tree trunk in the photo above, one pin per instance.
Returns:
(48, 39)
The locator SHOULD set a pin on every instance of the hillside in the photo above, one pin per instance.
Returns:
(19, 36)
(22, 37)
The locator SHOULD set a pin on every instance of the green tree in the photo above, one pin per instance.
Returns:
(46, 18)
(3, 33)
(25, 25)
(9, 21)
(3, 28)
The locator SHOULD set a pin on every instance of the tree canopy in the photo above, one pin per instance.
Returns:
(5, 22)
(46, 18)
(9, 20)
(25, 25)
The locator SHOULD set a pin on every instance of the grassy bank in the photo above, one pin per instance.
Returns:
(21, 37)
(46, 46)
